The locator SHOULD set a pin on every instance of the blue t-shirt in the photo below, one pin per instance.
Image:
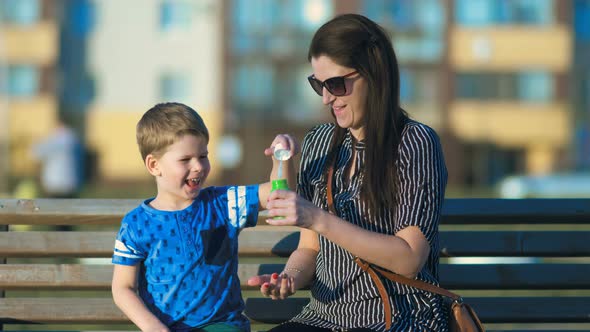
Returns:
(188, 274)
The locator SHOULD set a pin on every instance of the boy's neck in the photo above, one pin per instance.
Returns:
(161, 204)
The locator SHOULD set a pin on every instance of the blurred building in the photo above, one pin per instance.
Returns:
(509, 105)
(581, 83)
(119, 65)
(266, 89)
(505, 83)
(490, 76)
(99, 67)
(29, 47)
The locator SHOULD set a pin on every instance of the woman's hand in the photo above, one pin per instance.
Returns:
(294, 210)
(286, 141)
(276, 286)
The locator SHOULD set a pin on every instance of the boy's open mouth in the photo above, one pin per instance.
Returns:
(194, 182)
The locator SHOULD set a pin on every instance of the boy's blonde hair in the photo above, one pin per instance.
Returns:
(163, 124)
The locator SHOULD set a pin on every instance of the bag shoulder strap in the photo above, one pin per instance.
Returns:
(329, 194)
(387, 274)
(407, 281)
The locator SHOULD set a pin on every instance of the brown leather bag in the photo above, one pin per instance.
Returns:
(462, 318)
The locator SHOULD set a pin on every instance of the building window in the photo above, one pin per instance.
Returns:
(407, 86)
(268, 65)
(20, 12)
(535, 86)
(303, 105)
(176, 15)
(487, 164)
(79, 18)
(581, 12)
(419, 85)
(497, 12)
(253, 85)
(276, 27)
(417, 26)
(530, 86)
(19, 80)
(175, 87)
(260, 16)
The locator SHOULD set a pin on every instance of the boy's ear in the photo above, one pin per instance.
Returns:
(152, 165)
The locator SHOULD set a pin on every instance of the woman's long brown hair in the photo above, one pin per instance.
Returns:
(355, 41)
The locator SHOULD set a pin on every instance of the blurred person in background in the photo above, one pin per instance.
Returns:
(61, 158)
(387, 178)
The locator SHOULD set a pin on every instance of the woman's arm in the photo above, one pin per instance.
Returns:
(301, 263)
(124, 288)
(423, 178)
(404, 253)
(299, 270)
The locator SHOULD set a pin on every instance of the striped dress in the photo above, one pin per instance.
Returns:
(343, 296)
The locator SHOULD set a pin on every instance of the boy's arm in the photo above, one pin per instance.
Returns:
(124, 288)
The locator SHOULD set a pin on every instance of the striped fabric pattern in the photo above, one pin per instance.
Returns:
(344, 295)
(236, 206)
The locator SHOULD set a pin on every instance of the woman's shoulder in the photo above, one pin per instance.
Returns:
(319, 135)
(415, 131)
(320, 131)
(316, 145)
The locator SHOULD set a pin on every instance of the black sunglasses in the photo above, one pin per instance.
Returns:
(335, 85)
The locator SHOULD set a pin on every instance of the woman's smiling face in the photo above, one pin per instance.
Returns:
(349, 109)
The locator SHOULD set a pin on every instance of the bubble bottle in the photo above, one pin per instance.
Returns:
(281, 154)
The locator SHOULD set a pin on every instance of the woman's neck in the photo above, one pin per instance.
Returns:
(357, 134)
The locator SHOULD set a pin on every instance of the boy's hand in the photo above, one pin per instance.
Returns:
(276, 286)
(288, 143)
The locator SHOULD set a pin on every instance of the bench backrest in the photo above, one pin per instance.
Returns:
(515, 261)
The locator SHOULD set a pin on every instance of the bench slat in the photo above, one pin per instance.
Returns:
(456, 276)
(57, 244)
(265, 241)
(456, 211)
(515, 276)
(45, 211)
(280, 241)
(277, 241)
(535, 330)
(515, 243)
(465, 211)
(60, 310)
(262, 310)
(55, 276)
(489, 309)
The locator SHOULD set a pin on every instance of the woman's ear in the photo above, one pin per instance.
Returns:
(152, 165)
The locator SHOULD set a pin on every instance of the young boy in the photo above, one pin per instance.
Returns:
(176, 254)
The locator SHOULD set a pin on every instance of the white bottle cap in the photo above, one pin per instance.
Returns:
(280, 153)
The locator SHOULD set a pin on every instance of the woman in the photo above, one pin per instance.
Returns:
(389, 178)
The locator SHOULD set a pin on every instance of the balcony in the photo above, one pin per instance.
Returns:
(511, 124)
(29, 120)
(37, 44)
(510, 48)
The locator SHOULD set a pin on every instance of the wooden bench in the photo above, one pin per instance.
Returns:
(527, 268)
